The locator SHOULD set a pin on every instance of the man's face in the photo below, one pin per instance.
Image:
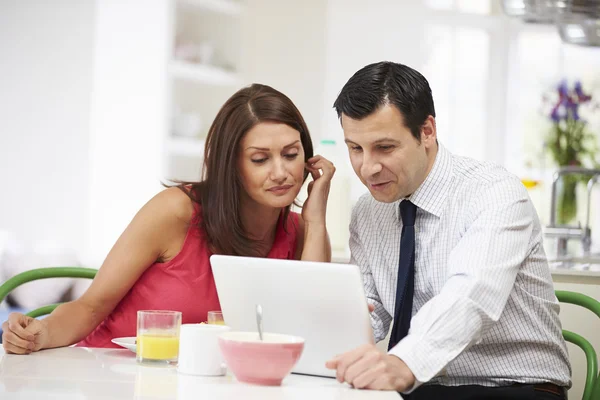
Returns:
(385, 155)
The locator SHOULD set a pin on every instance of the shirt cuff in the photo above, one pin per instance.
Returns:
(423, 360)
(415, 385)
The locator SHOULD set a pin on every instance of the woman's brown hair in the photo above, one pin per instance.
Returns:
(220, 190)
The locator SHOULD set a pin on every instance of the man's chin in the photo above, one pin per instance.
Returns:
(383, 197)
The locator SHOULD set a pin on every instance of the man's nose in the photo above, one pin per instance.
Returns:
(370, 165)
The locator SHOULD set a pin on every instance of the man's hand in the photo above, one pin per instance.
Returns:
(367, 368)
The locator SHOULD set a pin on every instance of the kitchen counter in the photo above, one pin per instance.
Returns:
(590, 275)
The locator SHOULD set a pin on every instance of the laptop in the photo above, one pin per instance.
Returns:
(324, 303)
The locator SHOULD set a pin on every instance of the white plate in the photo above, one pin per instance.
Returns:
(127, 342)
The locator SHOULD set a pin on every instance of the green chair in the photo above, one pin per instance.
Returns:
(592, 380)
(44, 273)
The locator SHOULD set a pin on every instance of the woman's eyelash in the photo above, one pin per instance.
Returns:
(262, 160)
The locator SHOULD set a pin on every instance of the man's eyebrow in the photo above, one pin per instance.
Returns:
(382, 140)
(378, 141)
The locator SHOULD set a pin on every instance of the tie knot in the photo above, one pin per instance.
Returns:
(408, 212)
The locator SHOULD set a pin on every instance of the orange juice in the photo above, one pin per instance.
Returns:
(157, 347)
(221, 322)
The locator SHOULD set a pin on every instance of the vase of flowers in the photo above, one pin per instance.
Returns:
(570, 142)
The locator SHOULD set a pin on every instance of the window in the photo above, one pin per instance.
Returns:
(457, 69)
(535, 70)
(540, 62)
(463, 6)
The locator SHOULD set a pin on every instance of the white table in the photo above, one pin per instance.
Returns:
(85, 373)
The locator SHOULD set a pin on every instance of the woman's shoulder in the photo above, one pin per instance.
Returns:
(175, 204)
(172, 212)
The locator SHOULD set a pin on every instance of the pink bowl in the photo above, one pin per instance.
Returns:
(264, 362)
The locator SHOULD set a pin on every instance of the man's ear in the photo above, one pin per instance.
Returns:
(429, 132)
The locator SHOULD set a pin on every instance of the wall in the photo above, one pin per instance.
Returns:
(356, 36)
(82, 118)
(129, 116)
(45, 81)
(284, 47)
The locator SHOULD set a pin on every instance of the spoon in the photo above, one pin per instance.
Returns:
(259, 321)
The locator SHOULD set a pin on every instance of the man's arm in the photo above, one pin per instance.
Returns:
(482, 271)
(366, 367)
(380, 318)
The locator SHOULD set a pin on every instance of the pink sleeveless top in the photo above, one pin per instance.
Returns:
(184, 284)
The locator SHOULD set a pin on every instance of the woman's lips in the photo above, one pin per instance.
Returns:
(279, 190)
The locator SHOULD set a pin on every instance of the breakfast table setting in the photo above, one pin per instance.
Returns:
(170, 360)
(93, 373)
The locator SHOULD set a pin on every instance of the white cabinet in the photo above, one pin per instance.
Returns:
(203, 71)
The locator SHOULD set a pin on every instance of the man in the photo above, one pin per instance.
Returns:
(455, 244)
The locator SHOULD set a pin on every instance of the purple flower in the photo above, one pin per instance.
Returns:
(582, 97)
(566, 107)
(573, 110)
(559, 110)
(563, 89)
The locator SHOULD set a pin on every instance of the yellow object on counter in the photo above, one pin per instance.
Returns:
(530, 183)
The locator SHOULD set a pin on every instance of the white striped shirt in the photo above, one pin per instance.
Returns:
(484, 308)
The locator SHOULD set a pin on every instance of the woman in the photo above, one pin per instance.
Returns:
(258, 154)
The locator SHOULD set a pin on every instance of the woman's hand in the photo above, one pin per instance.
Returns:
(22, 334)
(314, 209)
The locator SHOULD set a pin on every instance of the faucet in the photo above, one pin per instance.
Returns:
(564, 233)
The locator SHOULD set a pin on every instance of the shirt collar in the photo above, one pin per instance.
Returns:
(433, 192)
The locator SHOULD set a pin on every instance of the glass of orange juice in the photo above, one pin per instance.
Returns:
(158, 336)
(215, 318)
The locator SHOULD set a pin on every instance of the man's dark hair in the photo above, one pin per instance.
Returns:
(384, 83)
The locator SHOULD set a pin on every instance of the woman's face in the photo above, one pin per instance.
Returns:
(271, 164)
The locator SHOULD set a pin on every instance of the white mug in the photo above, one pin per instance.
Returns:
(199, 352)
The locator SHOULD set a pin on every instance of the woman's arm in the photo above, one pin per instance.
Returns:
(313, 242)
(156, 232)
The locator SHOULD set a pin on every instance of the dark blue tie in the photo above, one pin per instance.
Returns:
(406, 274)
